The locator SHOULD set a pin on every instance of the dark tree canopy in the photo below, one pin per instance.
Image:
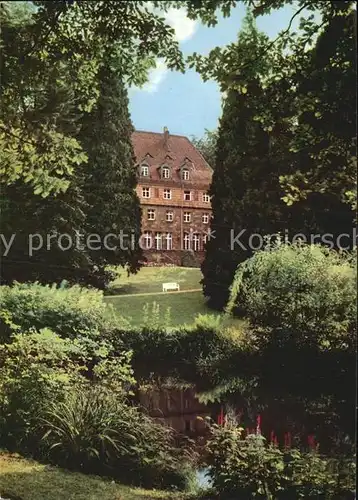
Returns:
(110, 177)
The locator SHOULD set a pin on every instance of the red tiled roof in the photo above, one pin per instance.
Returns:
(152, 149)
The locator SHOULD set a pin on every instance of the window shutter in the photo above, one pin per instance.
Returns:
(156, 192)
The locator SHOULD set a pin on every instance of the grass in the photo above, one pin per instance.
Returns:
(22, 479)
(145, 287)
(184, 307)
(150, 279)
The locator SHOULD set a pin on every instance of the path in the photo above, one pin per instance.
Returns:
(151, 293)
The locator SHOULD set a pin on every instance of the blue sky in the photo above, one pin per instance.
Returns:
(184, 103)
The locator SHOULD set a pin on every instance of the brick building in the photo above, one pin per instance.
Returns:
(173, 180)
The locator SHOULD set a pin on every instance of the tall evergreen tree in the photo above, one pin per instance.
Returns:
(109, 178)
(244, 190)
(101, 199)
(275, 145)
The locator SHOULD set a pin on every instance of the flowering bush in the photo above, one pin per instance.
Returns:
(246, 466)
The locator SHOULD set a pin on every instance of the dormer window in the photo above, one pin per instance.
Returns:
(165, 172)
(144, 170)
(185, 174)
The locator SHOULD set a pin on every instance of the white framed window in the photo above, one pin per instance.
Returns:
(158, 241)
(147, 240)
(146, 192)
(185, 174)
(169, 241)
(144, 170)
(205, 238)
(169, 216)
(165, 173)
(187, 217)
(187, 241)
(167, 194)
(187, 195)
(196, 242)
(206, 198)
(205, 218)
(151, 214)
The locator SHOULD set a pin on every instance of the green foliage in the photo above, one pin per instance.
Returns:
(83, 210)
(71, 312)
(306, 291)
(207, 322)
(245, 185)
(114, 373)
(206, 145)
(94, 431)
(46, 47)
(154, 319)
(249, 468)
(301, 304)
(63, 396)
(320, 148)
(59, 43)
(195, 354)
(111, 173)
(34, 368)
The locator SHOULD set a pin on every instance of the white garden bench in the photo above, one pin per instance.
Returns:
(170, 287)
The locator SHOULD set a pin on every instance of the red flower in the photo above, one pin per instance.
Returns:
(272, 437)
(258, 423)
(221, 417)
(311, 441)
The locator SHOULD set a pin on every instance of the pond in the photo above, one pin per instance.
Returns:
(203, 479)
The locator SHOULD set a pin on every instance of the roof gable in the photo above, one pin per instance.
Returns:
(175, 151)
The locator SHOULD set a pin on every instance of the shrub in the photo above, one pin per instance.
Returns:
(70, 312)
(188, 353)
(305, 292)
(95, 431)
(301, 304)
(51, 409)
(39, 367)
(34, 368)
(246, 467)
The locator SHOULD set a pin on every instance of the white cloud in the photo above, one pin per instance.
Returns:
(155, 77)
(184, 30)
(183, 26)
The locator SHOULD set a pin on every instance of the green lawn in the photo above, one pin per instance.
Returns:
(150, 279)
(183, 306)
(22, 479)
(145, 287)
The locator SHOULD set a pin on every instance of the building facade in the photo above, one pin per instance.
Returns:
(173, 183)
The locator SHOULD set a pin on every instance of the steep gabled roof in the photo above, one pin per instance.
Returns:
(161, 147)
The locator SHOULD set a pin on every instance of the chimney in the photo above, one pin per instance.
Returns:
(166, 137)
